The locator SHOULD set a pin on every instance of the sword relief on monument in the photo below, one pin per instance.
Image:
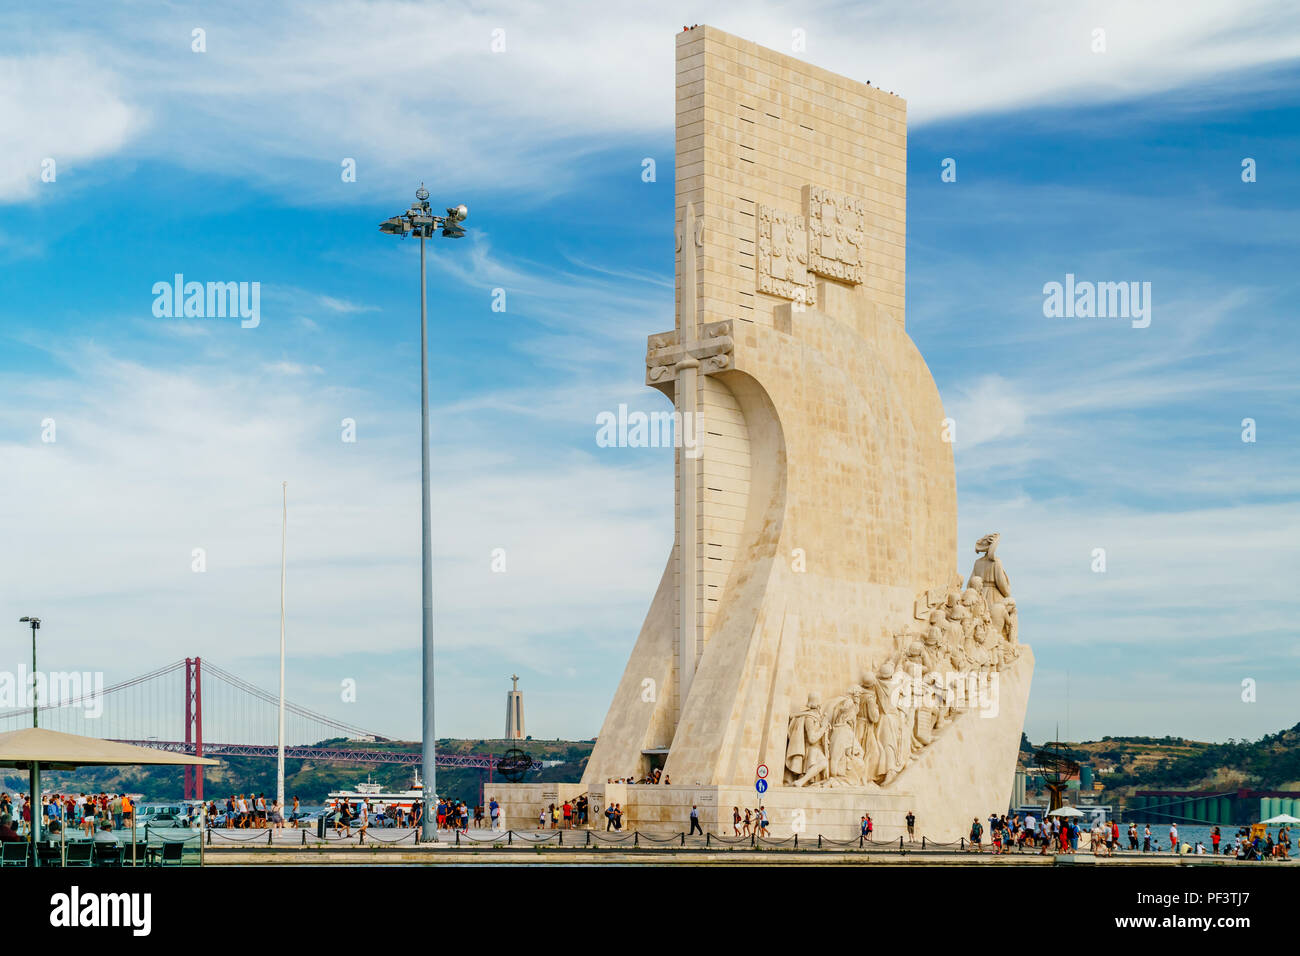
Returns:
(836, 233)
(877, 727)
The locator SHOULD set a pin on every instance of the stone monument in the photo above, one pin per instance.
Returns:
(514, 711)
(810, 624)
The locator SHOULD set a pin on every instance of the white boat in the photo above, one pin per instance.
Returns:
(378, 796)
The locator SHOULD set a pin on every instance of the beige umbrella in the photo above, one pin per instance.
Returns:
(58, 751)
(1280, 818)
(36, 747)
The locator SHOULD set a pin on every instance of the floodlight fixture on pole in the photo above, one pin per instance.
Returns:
(35, 624)
(419, 221)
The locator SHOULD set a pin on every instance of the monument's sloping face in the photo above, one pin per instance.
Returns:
(816, 517)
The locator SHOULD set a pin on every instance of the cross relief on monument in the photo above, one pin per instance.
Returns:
(826, 240)
(689, 346)
(665, 352)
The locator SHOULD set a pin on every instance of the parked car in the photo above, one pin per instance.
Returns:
(161, 815)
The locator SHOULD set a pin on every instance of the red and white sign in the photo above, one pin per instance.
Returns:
(762, 771)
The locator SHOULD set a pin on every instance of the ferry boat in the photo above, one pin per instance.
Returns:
(379, 796)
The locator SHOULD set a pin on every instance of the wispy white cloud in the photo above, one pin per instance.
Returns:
(58, 112)
(151, 463)
(401, 85)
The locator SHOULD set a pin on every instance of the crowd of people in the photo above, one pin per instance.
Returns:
(97, 816)
(655, 776)
(251, 813)
(1069, 834)
(91, 813)
(753, 823)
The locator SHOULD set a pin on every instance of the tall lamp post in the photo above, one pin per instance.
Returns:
(279, 750)
(420, 221)
(34, 777)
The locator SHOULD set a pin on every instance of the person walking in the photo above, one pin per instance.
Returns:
(695, 821)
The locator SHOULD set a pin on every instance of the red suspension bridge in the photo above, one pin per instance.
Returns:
(165, 709)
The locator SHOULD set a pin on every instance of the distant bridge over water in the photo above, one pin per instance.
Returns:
(170, 707)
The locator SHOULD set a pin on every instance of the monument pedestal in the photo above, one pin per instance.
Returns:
(966, 773)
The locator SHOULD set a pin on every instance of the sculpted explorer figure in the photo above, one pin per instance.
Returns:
(844, 756)
(990, 577)
(891, 731)
(805, 749)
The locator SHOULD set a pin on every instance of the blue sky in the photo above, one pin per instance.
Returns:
(224, 165)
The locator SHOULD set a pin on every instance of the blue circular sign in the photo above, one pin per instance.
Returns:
(760, 786)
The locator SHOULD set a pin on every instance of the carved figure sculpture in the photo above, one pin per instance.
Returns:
(870, 734)
(805, 751)
(844, 755)
(990, 577)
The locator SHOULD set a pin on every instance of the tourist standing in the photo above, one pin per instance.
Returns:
(911, 826)
(1173, 838)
